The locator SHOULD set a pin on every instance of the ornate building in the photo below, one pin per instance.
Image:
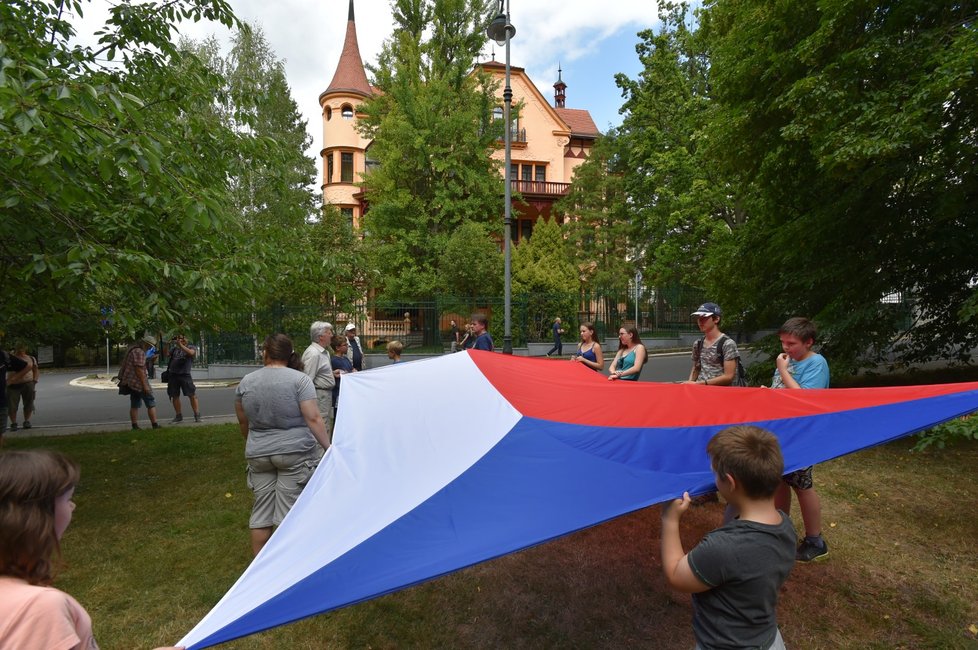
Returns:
(548, 141)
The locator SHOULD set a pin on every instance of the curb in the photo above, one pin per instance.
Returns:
(100, 382)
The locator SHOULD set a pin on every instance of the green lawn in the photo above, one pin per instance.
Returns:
(160, 533)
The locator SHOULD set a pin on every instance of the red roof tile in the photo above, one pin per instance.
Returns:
(350, 75)
(579, 121)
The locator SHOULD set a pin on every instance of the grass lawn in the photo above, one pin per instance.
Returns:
(160, 533)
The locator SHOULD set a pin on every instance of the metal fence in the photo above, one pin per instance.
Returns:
(425, 325)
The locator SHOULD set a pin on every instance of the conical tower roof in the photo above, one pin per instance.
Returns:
(350, 77)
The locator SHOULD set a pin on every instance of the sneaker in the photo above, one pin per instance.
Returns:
(178, 418)
(156, 425)
(27, 425)
(13, 426)
(808, 552)
(135, 427)
(196, 417)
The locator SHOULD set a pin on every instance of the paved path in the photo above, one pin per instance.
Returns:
(77, 401)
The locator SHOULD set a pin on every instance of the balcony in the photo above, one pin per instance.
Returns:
(540, 189)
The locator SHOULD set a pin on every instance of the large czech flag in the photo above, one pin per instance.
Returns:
(439, 464)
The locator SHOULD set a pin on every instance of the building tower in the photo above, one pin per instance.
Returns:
(559, 89)
(344, 149)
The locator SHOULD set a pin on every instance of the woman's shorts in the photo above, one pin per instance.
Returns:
(277, 482)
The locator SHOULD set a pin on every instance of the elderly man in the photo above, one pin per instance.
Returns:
(316, 364)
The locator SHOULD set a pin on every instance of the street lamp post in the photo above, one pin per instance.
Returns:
(502, 31)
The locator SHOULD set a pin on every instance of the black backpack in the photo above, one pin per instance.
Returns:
(740, 375)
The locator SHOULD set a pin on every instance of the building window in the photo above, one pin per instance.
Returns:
(329, 167)
(526, 228)
(497, 113)
(527, 172)
(541, 173)
(329, 113)
(347, 112)
(346, 167)
(347, 214)
(514, 172)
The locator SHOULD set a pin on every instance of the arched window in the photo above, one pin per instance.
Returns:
(329, 113)
(347, 112)
(497, 113)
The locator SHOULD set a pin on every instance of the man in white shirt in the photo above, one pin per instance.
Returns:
(315, 361)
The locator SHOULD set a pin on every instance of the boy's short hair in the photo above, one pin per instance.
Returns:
(751, 455)
(396, 347)
(800, 327)
(481, 318)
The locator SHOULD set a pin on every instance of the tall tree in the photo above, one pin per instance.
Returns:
(680, 203)
(113, 193)
(270, 188)
(544, 277)
(854, 127)
(600, 232)
(432, 135)
(471, 263)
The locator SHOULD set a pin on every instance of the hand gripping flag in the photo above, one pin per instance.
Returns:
(440, 464)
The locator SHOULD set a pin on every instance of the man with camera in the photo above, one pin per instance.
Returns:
(178, 377)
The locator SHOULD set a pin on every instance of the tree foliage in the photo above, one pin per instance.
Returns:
(112, 192)
(299, 246)
(544, 274)
(161, 180)
(600, 232)
(854, 127)
(815, 159)
(432, 135)
(682, 206)
(472, 264)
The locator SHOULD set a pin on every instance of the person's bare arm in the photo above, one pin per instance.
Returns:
(242, 419)
(314, 420)
(675, 562)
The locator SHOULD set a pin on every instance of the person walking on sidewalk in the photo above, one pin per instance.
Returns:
(558, 343)
(178, 377)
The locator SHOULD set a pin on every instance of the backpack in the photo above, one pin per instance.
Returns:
(740, 375)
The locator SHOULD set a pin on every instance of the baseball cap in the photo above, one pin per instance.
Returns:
(708, 309)
(350, 326)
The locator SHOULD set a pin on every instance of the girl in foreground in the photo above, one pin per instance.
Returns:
(36, 491)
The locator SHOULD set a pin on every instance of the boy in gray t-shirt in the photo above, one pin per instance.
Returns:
(736, 571)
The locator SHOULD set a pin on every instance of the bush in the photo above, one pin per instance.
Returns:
(959, 430)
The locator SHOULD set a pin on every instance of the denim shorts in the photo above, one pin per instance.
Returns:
(135, 397)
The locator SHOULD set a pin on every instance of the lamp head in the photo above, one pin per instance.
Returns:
(500, 30)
